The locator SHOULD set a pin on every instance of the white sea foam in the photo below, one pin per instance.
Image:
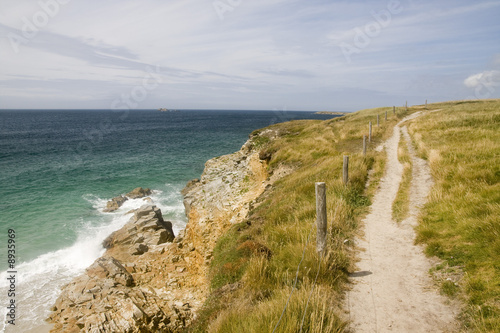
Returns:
(38, 282)
(96, 202)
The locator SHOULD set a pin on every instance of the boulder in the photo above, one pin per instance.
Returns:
(138, 192)
(146, 227)
(114, 204)
(110, 268)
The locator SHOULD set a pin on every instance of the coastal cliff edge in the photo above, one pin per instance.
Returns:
(149, 280)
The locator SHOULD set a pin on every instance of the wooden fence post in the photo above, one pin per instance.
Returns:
(393, 110)
(321, 216)
(345, 170)
(385, 115)
(406, 107)
(378, 121)
(426, 104)
(364, 145)
(370, 133)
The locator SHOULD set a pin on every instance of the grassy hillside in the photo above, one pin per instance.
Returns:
(461, 222)
(255, 263)
(270, 262)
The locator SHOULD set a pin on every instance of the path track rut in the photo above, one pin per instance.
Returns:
(392, 290)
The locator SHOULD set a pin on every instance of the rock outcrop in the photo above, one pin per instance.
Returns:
(145, 228)
(146, 283)
(107, 298)
(118, 201)
(114, 204)
(138, 192)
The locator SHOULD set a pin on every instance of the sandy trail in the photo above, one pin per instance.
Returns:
(392, 290)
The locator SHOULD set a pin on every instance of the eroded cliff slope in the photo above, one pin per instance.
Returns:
(150, 281)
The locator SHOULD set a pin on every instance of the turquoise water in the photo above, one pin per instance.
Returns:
(59, 168)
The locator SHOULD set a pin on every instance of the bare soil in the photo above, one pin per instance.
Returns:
(392, 290)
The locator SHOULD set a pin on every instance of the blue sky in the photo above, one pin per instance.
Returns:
(246, 54)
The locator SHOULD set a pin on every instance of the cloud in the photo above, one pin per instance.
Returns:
(486, 79)
(263, 54)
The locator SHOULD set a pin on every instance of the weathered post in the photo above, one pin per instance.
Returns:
(426, 104)
(320, 216)
(386, 115)
(370, 133)
(364, 145)
(378, 121)
(406, 106)
(345, 170)
(393, 110)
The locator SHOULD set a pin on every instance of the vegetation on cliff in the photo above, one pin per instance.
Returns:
(250, 243)
(255, 263)
(253, 273)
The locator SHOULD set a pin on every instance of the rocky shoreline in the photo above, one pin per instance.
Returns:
(150, 280)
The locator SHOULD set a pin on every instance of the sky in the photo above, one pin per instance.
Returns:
(246, 54)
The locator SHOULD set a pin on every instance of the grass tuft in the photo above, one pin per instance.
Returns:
(460, 223)
(401, 205)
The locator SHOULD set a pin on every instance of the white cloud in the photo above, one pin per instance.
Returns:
(486, 79)
(265, 51)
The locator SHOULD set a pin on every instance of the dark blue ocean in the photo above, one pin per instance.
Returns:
(59, 167)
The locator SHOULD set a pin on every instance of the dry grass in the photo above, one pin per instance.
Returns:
(255, 263)
(461, 222)
(251, 288)
(401, 205)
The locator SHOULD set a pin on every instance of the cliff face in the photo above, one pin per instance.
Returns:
(149, 281)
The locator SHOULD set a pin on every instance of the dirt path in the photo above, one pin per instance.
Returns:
(392, 290)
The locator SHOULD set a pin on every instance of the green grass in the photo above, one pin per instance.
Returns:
(461, 221)
(255, 262)
(401, 205)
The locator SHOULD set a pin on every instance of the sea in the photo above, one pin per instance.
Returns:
(58, 168)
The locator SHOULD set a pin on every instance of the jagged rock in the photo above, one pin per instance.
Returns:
(138, 192)
(146, 226)
(114, 204)
(143, 283)
(188, 202)
(188, 199)
(140, 249)
(110, 268)
(189, 185)
(107, 298)
(119, 308)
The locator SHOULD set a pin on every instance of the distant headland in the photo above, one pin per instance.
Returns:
(335, 113)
